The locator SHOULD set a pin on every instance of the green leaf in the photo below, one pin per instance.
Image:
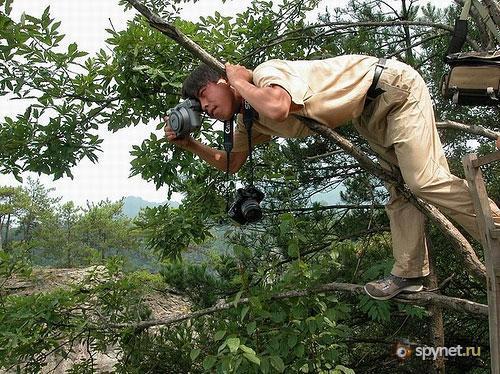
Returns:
(293, 248)
(292, 340)
(233, 344)
(299, 350)
(264, 365)
(251, 327)
(343, 369)
(8, 6)
(244, 312)
(252, 358)
(208, 362)
(246, 349)
(277, 363)
(222, 346)
(194, 354)
(72, 48)
(219, 335)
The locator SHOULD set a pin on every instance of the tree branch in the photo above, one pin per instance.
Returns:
(345, 25)
(174, 33)
(472, 129)
(328, 207)
(420, 298)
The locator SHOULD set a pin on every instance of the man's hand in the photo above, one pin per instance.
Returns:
(237, 73)
(172, 138)
(498, 143)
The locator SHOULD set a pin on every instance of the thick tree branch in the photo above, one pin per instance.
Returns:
(174, 33)
(472, 129)
(471, 261)
(420, 298)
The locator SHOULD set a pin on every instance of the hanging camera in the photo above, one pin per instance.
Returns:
(246, 208)
(185, 117)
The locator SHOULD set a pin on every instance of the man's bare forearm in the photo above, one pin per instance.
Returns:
(268, 101)
(214, 157)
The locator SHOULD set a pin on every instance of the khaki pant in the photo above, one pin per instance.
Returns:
(399, 125)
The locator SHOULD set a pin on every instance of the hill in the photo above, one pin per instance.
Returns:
(133, 204)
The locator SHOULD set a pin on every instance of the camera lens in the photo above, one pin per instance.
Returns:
(176, 122)
(251, 210)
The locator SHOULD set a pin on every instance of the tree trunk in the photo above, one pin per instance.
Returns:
(7, 227)
(1, 231)
(68, 248)
(406, 28)
(436, 312)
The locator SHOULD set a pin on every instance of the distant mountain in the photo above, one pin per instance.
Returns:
(133, 204)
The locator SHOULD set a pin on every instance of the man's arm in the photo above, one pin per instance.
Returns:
(217, 158)
(272, 102)
(214, 157)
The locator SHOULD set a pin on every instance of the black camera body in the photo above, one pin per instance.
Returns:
(185, 117)
(246, 208)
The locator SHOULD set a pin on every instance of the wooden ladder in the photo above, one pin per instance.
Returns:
(490, 239)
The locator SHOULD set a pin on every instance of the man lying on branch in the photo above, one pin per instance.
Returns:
(390, 106)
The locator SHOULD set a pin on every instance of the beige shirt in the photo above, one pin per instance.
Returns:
(331, 91)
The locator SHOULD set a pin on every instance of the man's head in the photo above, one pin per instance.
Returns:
(216, 96)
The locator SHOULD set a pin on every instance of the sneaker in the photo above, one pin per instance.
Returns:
(390, 286)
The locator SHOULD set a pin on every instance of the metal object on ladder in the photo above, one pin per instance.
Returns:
(490, 239)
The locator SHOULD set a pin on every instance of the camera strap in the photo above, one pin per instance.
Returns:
(228, 139)
(228, 146)
(249, 115)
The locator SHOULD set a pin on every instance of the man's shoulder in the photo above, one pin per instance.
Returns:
(285, 65)
(273, 63)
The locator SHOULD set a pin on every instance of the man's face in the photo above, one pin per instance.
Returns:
(218, 100)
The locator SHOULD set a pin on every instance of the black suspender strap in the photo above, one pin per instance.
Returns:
(375, 91)
(460, 30)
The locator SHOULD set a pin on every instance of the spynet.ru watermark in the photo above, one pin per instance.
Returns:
(404, 350)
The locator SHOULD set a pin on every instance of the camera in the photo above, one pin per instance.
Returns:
(246, 208)
(185, 117)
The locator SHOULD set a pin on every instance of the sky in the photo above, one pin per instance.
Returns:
(84, 22)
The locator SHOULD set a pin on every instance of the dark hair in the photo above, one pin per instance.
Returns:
(197, 79)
